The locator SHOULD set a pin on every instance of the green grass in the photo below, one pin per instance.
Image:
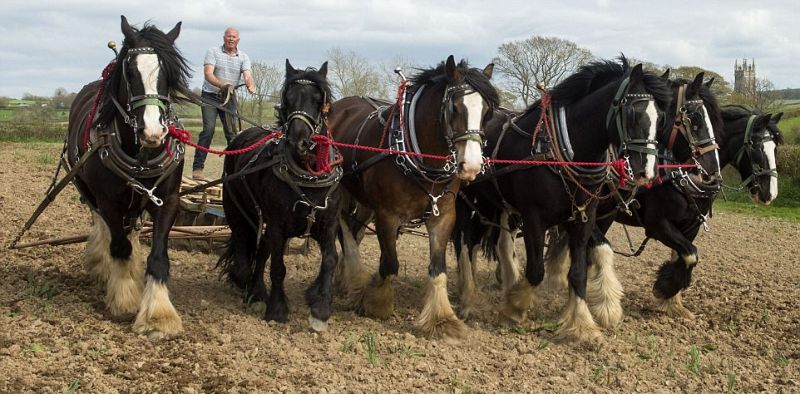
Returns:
(786, 206)
(73, 387)
(791, 130)
(694, 360)
(371, 348)
(45, 289)
(731, 382)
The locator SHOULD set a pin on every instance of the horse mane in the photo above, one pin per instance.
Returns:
(174, 66)
(311, 74)
(712, 105)
(599, 73)
(732, 112)
(473, 76)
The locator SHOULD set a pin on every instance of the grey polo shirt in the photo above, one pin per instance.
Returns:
(227, 68)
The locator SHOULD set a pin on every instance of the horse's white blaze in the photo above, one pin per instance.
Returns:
(712, 135)
(148, 67)
(472, 158)
(650, 167)
(769, 151)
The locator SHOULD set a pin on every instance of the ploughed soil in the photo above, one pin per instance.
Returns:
(56, 335)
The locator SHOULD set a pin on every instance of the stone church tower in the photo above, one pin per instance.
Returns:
(744, 76)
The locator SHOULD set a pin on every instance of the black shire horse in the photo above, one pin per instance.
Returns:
(445, 110)
(676, 210)
(280, 195)
(752, 137)
(604, 104)
(132, 165)
(670, 211)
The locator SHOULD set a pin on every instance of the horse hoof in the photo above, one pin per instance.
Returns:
(450, 329)
(378, 300)
(158, 328)
(317, 325)
(673, 307)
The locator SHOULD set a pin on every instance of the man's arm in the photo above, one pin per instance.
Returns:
(208, 73)
(248, 81)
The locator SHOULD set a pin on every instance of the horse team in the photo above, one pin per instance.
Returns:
(611, 142)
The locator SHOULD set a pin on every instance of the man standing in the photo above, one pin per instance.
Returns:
(223, 69)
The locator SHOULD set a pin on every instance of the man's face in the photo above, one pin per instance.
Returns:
(231, 39)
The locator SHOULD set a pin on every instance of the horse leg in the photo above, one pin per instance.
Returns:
(97, 255)
(437, 318)
(377, 299)
(519, 297)
(256, 289)
(123, 269)
(350, 278)
(277, 306)
(157, 316)
(577, 322)
(506, 256)
(466, 252)
(557, 259)
(319, 294)
(603, 291)
(675, 274)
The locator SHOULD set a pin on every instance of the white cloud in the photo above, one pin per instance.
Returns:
(50, 44)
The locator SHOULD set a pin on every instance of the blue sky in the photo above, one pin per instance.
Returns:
(49, 44)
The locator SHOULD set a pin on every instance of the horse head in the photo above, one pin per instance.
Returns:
(305, 102)
(758, 162)
(634, 113)
(692, 131)
(150, 70)
(465, 111)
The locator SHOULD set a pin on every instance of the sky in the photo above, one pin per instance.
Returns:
(47, 44)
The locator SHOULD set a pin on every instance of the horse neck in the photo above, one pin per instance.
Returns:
(431, 131)
(586, 119)
(733, 142)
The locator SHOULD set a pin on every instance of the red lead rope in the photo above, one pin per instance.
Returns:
(104, 77)
(185, 137)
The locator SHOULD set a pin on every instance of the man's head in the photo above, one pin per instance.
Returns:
(231, 39)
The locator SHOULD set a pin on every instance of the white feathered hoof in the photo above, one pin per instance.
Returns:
(157, 317)
(577, 324)
(604, 291)
(437, 319)
(317, 325)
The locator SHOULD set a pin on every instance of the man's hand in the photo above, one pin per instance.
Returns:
(225, 93)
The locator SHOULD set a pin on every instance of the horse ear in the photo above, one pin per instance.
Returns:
(175, 32)
(289, 69)
(323, 70)
(665, 75)
(487, 71)
(637, 72)
(698, 81)
(761, 121)
(127, 30)
(450, 69)
(710, 81)
(776, 118)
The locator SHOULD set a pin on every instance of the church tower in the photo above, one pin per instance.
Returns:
(744, 76)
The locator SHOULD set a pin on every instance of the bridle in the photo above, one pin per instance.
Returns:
(754, 150)
(616, 113)
(447, 108)
(315, 123)
(683, 125)
(134, 102)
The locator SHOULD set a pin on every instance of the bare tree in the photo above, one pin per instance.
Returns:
(268, 79)
(351, 74)
(538, 59)
(721, 88)
(390, 80)
(762, 96)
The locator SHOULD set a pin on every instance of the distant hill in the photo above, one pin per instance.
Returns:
(788, 94)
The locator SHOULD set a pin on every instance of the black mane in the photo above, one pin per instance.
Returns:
(732, 112)
(312, 75)
(599, 73)
(173, 65)
(473, 76)
(712, 105)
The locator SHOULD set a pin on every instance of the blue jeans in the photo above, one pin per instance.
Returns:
(209, 121)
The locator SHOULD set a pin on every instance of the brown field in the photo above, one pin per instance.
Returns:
(55, 333)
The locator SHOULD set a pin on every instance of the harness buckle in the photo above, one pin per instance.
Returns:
(147, 192)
